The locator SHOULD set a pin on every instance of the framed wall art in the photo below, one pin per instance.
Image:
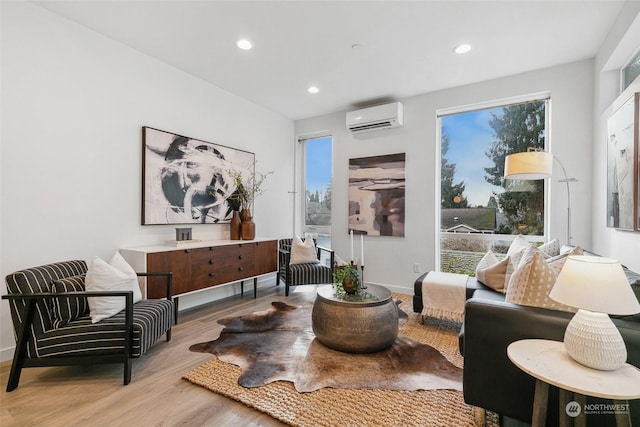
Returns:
(377, 195)
(622, 166)
(186, 180)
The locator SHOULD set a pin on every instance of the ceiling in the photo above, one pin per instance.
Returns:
(405, 47)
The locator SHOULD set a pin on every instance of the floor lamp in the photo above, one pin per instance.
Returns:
(537, 164)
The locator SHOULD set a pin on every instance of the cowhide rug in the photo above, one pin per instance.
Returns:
(279, 344)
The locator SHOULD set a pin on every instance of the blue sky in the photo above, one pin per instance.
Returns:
(470, 137)
(318, 167)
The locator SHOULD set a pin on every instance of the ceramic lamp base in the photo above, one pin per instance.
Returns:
(593, 340)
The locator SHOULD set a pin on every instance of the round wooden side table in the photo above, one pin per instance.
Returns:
(548, 362)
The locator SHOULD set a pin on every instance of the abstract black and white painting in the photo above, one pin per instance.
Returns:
(186, 180)
(376, 195)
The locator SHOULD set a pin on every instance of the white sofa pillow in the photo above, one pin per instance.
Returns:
(119, 263)
(115, 276)
(303, 253)
(492, 272)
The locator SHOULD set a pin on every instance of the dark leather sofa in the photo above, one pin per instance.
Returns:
(490, 380)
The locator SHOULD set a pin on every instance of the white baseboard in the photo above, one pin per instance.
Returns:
(7, 353)
(392, 288)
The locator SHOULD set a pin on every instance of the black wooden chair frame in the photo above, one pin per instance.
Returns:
(21, 361)
(285, 257)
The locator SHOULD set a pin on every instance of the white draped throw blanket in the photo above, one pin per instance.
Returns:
(443, 295)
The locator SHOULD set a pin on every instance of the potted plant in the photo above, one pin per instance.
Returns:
(247, 185)
(346, 279)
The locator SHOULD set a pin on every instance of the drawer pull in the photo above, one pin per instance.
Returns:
(240, 268)
(212, 274)
(240, 256)
(210, 261)
(210, 248)
(187, 251)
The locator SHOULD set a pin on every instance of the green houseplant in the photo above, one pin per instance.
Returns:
(346, 280)
(247, 185)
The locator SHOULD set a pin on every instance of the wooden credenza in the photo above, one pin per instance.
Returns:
(202, 265)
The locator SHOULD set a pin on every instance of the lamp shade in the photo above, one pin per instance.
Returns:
(595, 284)
(528, 165)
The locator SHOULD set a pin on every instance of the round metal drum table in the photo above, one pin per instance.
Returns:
(355, 326)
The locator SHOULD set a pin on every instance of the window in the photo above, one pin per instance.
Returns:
(479, 209)
(317, 189)
(631, 70)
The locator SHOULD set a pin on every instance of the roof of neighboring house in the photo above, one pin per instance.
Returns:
(476, 219)
(462, 228)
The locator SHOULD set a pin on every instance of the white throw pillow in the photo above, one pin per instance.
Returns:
(303, 253)
(518, 244)
(116, 276)
(119, 263)
(492, 272)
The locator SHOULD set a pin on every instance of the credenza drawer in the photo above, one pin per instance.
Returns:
(221, 271)
(230, 252)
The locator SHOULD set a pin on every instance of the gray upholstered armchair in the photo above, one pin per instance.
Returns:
(302, 274)
(52, 326)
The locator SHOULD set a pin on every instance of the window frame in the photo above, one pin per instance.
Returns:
(503, 102)
(635, 56)
(312, 230)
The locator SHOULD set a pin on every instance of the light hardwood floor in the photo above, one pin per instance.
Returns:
(156, 396)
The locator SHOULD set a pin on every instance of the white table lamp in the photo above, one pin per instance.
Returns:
(597, 287)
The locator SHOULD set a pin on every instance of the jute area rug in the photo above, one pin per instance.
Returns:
(349, 407)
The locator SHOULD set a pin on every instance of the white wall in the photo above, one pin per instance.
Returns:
(571, 88)
(73, 104)
(622, 42)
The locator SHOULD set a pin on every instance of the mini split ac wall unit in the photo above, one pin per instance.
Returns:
(387, 116)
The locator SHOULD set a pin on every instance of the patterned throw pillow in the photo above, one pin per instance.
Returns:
(557, 262)
(551, 249)
(527, 254)
(68, 309)
(532, 282)
(493, 272)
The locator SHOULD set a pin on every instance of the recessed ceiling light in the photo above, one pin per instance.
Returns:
(462, 48)
(313, 89)
(244, 44)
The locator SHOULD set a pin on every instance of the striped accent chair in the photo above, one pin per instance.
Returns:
(302, 274)
(52, 326)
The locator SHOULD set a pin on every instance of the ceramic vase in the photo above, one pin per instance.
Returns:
(235, 229)
(248, 227)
